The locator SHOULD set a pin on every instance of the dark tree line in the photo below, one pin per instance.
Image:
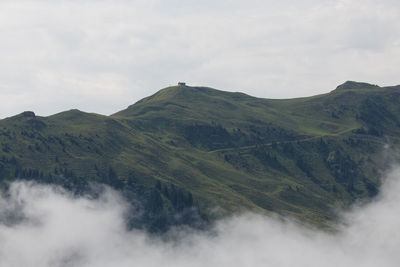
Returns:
(168, 205)
(155, 208)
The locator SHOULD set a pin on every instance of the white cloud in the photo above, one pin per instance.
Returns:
(104, 55)
(51, 228)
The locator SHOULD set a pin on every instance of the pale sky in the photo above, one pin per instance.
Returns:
(101, 56)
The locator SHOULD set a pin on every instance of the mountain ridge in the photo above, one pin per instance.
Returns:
(185, 150)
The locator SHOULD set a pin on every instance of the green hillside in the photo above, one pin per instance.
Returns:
(191, 154)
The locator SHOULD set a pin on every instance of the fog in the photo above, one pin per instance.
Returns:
(46, 226)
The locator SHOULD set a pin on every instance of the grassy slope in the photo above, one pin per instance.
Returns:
(300, 157)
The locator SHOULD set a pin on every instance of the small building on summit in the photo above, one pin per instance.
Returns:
(181, 84)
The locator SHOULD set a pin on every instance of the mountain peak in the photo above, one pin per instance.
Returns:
(197, 97)
(170, 92)
(351, 85)
(183, 92)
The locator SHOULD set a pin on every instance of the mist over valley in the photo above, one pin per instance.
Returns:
(55, 228)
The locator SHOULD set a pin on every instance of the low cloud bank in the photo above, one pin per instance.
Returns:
(46, 226)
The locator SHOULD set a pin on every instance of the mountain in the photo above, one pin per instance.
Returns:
(188, 155)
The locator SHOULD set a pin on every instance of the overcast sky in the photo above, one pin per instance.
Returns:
(101, 56)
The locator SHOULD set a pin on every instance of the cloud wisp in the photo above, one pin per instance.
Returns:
(46, 226)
